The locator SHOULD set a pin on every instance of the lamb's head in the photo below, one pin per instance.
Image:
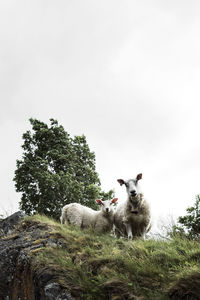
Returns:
(107, 205)
(133, 191)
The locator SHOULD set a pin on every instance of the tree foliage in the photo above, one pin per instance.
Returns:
(189, 225)
(55, 170)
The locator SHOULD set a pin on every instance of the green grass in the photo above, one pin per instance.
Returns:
(97, 266)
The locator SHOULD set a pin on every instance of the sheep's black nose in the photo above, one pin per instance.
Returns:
(134, 212)
(107, 209)
(133, 193)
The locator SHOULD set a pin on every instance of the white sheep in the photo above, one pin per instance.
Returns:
(83, 216)
(132, 217)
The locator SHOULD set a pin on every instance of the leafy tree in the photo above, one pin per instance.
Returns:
(55, 170)
(189, 225)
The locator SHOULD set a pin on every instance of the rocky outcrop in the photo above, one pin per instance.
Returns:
(19, 277)
(8, 225)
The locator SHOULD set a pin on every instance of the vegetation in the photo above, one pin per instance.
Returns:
(55, 170)
(94, 266)
(189, 225)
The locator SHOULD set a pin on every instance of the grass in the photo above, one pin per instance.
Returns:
(97, 266)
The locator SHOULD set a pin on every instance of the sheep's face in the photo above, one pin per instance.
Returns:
(132, 187)
(134, 193)
(107, 205)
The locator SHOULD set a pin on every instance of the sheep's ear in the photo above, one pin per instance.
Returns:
(114, 200)
(98, 201)
(139, 176)
(121, 181)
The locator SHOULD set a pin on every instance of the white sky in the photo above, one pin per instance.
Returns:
(124, 73)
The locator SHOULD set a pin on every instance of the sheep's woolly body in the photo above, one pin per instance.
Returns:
(83, 217)
(104, 223)
(138, 221)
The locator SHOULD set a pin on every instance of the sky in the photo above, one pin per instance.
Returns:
(124, 73)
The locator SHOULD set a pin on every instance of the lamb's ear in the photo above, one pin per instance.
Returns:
(114, 200)
(121, 181)
(139, 176)
(98, 201)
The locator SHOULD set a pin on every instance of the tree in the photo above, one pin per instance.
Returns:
(189, 225)
(55, 170)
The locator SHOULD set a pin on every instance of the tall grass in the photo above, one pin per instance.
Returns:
(97, 266)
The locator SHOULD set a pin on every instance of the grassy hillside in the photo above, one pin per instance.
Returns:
(94, 266)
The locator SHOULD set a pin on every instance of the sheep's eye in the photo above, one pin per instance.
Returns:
(126, 184)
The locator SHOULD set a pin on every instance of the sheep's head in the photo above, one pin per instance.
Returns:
(107, 205)
(133, 191)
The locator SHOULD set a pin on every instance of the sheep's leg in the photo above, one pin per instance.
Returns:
(62, 219)
(129, 231)
(116, 232)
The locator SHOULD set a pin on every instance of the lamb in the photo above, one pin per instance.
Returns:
(132, 218)
(83, 216)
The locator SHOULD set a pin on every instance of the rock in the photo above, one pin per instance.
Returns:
(19, 277)
(53, 292)
(8, 224)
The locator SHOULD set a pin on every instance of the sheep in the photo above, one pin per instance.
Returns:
(132, 217)
(83, 216)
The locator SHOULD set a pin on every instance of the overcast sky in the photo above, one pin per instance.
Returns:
(124, 73)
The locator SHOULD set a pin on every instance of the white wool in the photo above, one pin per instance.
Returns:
(83, 216)
(132, 217)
